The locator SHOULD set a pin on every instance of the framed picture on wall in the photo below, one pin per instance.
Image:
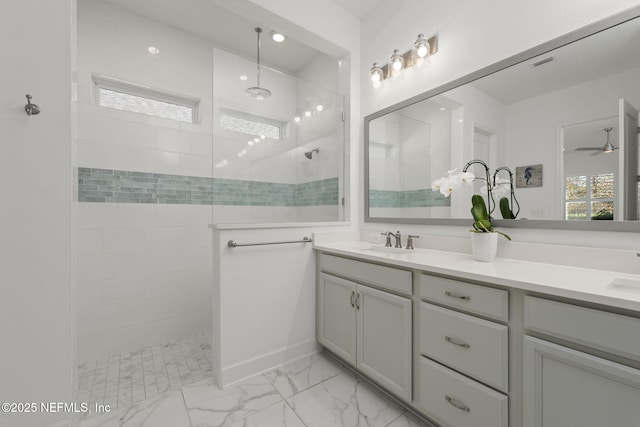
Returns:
(529, 176)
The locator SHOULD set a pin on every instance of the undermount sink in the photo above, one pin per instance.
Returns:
(387, 249)
(627, 285)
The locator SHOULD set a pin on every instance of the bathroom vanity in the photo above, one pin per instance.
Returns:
(464, 343)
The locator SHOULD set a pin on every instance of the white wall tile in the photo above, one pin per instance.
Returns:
(170, 260)
(96, 267)
(89, 241)
(173, 140)
(121, 157)
(124, 240)
(97, 214)
(124, 289)
(135, 214)
(196, 165)
(89, 294)
(133, 264)
(165, 238)
(96, 319)
(174, 215)
(91, 154)
(162, 162)
(200, 144)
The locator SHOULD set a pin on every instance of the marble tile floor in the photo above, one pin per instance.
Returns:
(314, 391)
(126, 379)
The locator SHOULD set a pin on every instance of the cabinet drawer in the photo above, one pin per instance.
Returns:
(473, 346)
(456, 400)
(610, 332)
(477, 299)
(389, 278)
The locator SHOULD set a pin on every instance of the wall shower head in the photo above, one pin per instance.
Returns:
(309, 154)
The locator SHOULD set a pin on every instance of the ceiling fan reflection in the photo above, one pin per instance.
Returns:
(606, 148)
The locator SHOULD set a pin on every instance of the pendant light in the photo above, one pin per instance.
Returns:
(257, 91)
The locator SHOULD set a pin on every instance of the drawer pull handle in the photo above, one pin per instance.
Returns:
(353, 294)
(456, 341)
(457, 404)
(455, 295)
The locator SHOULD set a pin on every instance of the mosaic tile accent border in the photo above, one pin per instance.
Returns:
(115, 186)
(422, 198)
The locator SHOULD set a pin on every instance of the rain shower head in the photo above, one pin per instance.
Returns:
(256, 91)
(309, 154)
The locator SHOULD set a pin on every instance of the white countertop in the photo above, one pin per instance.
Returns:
(582, 284)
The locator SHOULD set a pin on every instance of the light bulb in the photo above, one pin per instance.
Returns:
(396, 63)
(421, 50)
(376, 76)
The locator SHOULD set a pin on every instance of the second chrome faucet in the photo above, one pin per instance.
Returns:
(398, 238)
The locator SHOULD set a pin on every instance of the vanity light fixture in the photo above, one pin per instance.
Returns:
(421, 49)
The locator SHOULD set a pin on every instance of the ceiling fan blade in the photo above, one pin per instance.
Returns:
(596, 153)
(588, 149)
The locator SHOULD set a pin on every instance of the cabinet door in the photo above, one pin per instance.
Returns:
(384, 339)
(337, 316)
(564, 387)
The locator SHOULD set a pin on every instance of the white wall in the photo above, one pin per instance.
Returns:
(144, 270)
(266, 314)
(36, 360)
(473, 35)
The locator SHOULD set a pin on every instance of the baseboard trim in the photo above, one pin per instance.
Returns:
(235, 373)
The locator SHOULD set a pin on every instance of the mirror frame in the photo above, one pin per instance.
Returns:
(586, 31)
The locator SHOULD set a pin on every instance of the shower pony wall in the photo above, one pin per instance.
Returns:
(148, 187)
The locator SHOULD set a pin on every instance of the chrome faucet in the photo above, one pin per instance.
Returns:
(398, 239)
(410, 241)
(388, 242)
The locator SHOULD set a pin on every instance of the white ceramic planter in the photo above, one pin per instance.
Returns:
(484, 246)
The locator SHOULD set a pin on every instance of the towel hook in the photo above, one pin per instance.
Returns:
(31, 109)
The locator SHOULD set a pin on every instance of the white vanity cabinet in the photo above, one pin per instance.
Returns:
(464, 359)
(368, 326)
(567, 387)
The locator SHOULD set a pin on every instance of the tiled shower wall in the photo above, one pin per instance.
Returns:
(144, 270)
(149, 187)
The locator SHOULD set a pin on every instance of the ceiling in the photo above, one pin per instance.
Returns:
(226, 29)
(602, 54)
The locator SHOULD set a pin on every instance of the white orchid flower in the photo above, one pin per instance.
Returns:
(435, 185)
(502, 188)
(467, 177)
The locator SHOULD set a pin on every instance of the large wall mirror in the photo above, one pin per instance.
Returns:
(563, 117)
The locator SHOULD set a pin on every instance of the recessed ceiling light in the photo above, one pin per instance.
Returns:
(277, 37)
(319, 108)
(243, 78)
(153, 50)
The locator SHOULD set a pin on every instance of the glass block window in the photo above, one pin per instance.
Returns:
(112, 93)
(236, 121)
(590, 197)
